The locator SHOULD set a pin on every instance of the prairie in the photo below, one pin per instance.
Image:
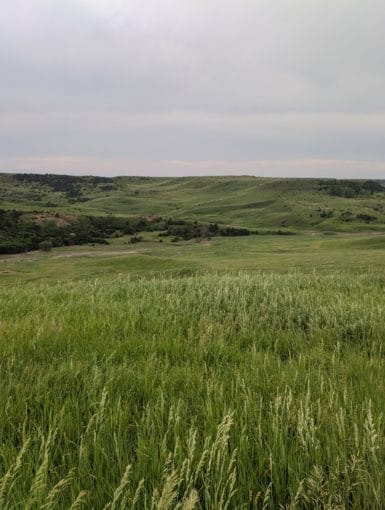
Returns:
(263, 203)
(359, 252)
(207, 391)
(222, 373)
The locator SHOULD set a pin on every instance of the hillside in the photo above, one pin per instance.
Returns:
(296, 204)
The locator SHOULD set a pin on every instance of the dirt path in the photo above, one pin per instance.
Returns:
(97, 253)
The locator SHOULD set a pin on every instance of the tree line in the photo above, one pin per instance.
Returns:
(21, 232)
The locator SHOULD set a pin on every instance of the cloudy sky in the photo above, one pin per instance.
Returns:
(184, 87)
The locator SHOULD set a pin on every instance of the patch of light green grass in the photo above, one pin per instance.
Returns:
(212, 391)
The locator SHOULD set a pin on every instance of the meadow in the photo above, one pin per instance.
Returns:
(207, 391)
(282, 254)
(254, 202)
(222, 373)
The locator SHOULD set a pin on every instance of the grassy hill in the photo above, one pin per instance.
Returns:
(296, 204)
(210, 372)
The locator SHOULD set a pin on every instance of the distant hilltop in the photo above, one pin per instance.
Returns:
(298, 204)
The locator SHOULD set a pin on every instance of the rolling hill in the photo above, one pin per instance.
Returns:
(296, 204)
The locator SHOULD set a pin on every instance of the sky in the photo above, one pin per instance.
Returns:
(193, 87)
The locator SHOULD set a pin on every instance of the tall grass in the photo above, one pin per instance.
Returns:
(214, 392)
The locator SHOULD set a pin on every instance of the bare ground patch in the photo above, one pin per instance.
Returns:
(97, 253)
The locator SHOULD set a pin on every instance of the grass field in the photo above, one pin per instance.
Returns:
(224, 373)
(302, 253)
(296, 204)
(210, 391)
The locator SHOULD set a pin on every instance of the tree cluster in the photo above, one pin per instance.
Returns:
(20, 233)
(181, 229)
(69, 185)
(350, 189)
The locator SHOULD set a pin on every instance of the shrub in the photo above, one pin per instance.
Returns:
(46, 245)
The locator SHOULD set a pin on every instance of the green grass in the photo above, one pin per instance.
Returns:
(210, 391)
(235, 373)
(301, 253)
(263, 203)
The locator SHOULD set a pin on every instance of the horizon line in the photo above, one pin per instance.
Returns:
(188, 176)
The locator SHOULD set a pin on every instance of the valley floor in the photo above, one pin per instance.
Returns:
(303, 253)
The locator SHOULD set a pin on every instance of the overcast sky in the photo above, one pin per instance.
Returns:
(184, 87)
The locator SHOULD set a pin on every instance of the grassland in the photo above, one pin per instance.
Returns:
(284, 254)
(231, 373)
(208, 391)
(297, 204)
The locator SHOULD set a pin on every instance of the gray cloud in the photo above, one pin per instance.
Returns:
(253, 85)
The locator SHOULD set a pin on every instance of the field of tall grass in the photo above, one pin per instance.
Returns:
(204, 392)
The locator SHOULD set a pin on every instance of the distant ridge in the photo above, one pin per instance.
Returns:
(300, 204)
